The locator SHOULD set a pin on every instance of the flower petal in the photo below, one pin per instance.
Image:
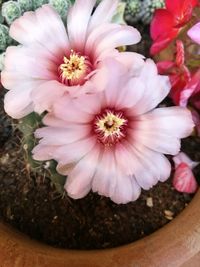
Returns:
(126, 189)
(104, 181)
(46, 94)
(156, 89)
(18, 103)
(61, 136)
(45, 27)
(194, 33)
(66, 109)
(103, 13)
(124, 35)
(161, 129)
(79, 180)
(72, 153)
(77, 22)
(139, 161)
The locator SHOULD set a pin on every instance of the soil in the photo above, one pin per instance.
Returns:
(31, 204)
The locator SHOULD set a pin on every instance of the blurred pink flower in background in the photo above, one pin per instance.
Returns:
(113, 141)
(194, 33)
(52, 60)
(184, 180)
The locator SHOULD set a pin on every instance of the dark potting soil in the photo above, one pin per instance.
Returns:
(31, 204)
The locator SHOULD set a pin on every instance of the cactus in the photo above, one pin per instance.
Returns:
(27, 126)
(5, 39)
(11, 11)
(147, 9)
(1, 19)
(61, 6)
(2, 56)
(132, 11)
(25, 5)
(38, 3)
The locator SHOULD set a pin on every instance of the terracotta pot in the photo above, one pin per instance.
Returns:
(176, 244)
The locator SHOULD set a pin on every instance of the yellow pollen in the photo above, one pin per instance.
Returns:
(110, 125)
(74, 67)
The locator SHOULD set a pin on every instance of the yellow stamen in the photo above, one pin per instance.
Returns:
(111, 125)
(74, 67)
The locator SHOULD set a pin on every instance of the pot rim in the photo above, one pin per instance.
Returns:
(172, 245)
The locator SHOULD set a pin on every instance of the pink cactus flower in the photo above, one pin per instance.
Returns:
(51, 60)
(194, 33)
(113, 141)
(184, 180)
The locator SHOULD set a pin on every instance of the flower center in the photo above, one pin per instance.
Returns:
(110, 127)
(74, 69)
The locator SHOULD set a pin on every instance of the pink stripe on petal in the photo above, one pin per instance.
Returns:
(46, 94)
(44, 27)
(61, 136)
(125, 35)
(131, 94)
(123, 190)
(104, 181)
(79, 180)
(171, 121)
(72, 153)
(77, 22)
(96, 35)
(66, 110)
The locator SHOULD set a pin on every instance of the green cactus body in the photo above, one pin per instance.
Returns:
(5, 39)
(38, 3)
(61, 6)
(148, 8)
(2, 56)
(132, 10)
(25, 5)
(1, 19)
(27, 126)
(11, 11)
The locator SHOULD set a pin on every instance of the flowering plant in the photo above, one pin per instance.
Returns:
(176, 49)
(101, 124)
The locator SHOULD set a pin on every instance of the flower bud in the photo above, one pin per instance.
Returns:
(184, 180)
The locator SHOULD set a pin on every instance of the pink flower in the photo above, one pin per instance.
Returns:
(191, 91)
(184, 180)
(167, 23)
(194, 33)
(177, 71)
(113, 141)
(52, 60)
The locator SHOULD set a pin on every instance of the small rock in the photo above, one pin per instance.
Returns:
(149, 202)
(169, 215)
(4, 159)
